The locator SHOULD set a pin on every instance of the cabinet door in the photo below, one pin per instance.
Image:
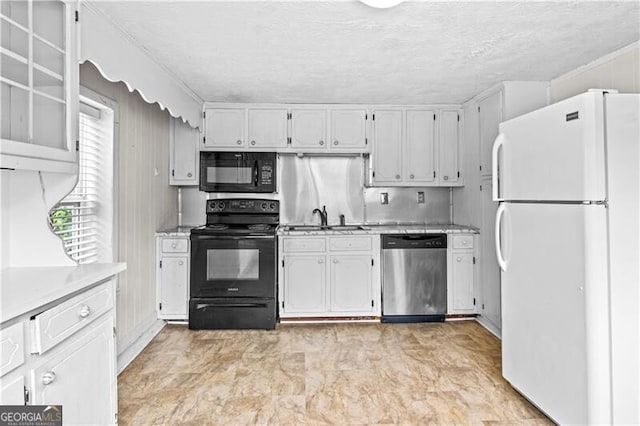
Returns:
(305, 286)
(348, 129)
(224, 128)
(449, 143)
(387, 148)
(419, 151)
(267, 128)
(184, 153)
(81, 377)
(489, 269)
(12, 389)
(490, 116)
(351, 282)
(309, 129)
(462, 289)
(174, 287)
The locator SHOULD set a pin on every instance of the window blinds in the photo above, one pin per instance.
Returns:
(83, 218)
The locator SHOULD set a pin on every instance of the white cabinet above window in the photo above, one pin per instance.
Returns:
(39, 85)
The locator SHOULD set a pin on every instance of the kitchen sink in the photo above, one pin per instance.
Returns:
(325, 228)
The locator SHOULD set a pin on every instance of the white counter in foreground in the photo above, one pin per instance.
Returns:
(25, 289)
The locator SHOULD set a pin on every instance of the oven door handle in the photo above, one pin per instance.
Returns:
(230, 305)
(255, 173)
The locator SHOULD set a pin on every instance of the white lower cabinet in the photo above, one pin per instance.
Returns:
(81, 377)
(172, 277)
(76, 368)
(461, 261)
(329, 276)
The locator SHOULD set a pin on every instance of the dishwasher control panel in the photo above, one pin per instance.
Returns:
(414, 241)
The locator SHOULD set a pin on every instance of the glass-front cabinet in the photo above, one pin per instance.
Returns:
(39, 78)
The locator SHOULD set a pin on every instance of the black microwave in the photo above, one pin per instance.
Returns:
(237, 171)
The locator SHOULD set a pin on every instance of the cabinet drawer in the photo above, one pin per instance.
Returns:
(175, 245)
(11, 348)
(293, 245)
(350, 244)
(462, 241)
(56, 324)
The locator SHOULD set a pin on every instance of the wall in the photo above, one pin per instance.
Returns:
(619, 70)
(144, 202)
(337, 182)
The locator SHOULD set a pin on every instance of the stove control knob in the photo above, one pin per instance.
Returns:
(263, 206)
(272, 206)
(221, 205)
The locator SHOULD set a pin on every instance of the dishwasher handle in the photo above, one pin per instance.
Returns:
(414, 241)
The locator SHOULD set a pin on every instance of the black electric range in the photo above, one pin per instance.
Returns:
(234, 265)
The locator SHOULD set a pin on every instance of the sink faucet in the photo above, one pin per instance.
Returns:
(341, 220)
(323, 215)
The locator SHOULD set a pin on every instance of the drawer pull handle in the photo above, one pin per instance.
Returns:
(336, 143)
(459, 259)
(48, 378)
(174, 245)
(181, 263)
(335, 260)
(320, 261)
(85, 311)
(321, 142)
(239, 142)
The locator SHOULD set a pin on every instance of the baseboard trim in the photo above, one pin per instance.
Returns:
(489, 326)
(133, 350)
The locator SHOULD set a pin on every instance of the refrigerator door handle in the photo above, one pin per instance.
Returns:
(499, 214)
(494, 166)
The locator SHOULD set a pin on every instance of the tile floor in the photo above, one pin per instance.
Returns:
(431, 373)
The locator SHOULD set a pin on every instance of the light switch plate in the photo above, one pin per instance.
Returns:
(420, 197)
(384, 198)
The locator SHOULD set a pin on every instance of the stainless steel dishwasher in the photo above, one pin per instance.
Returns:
(414, 277)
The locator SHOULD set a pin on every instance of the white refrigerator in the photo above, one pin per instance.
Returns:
(567, 232)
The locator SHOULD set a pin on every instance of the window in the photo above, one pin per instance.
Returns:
(84, 218)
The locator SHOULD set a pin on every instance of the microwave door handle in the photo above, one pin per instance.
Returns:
(255, 173)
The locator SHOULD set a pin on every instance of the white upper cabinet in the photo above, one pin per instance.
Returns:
(183, 153)
(416, 147)
(225, 128)
(39, 85)
(387, 139)
(309, 129)
(267, 128)
(448, 164)
(348, 129)
(419, 151)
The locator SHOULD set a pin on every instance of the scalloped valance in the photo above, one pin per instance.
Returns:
(119, 59)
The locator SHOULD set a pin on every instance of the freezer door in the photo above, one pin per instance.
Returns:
(555, 344)
(553, 154)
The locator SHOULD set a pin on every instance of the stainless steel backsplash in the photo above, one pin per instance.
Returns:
(309, 182)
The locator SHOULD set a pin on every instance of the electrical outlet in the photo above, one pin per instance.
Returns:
(420, 197)
(384, 198)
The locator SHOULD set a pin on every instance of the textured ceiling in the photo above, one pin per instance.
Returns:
(347, 52)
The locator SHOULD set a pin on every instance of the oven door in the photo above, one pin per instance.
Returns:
(233, 266)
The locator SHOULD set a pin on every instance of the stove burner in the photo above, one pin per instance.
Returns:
(258, 227)
(218, 226)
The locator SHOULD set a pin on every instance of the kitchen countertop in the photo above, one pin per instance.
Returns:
(384, 228)
(29, 288)
(176, 231)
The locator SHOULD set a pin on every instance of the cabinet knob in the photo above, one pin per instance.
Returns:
(189, 174)
(335, 260)
(446, 178)
(48, 378)
(85, 311)
(174, 245)
(320, 261)
(239, 142)
(336, 143)
(397, 176)
(321, 142)
(459, 259)
(181, 263)
(253, 142)
(410, 176)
